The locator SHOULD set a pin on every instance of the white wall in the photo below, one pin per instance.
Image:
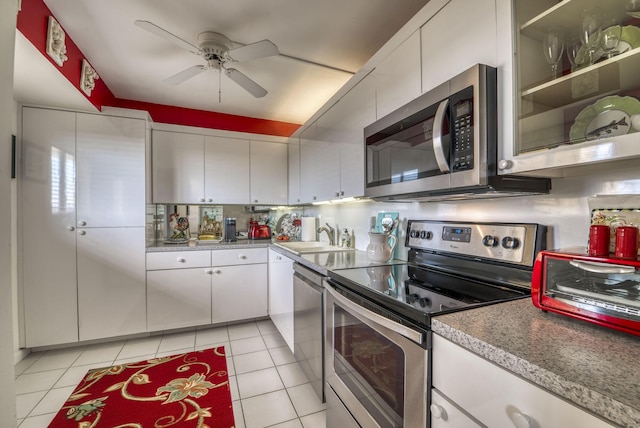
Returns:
(564, 210)
(8, 11)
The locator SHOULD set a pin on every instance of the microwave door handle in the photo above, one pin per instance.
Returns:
(602, 267)
(438, 147)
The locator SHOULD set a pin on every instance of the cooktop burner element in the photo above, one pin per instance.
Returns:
(451, 266)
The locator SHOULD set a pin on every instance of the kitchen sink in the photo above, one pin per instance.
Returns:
(299, 247)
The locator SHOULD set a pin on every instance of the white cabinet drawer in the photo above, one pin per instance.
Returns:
(178, 260)
(239, 256)
(446, 415)
(495, 396)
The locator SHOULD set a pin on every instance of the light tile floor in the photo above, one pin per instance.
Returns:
(268, 388)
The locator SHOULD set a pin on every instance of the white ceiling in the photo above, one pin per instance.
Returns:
(342, 34)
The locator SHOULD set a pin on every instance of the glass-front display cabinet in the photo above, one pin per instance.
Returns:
(578, 78)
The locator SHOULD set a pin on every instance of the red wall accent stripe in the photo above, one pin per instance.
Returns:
(32, 22)
(208, 119)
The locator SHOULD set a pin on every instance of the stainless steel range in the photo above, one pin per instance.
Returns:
(378, 338)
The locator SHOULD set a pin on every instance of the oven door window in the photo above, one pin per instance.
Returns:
(404, 151)
(371, 366)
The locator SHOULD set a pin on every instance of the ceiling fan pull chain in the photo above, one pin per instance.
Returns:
(220, 86)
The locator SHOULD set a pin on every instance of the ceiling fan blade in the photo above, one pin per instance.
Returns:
(255, 50)
(190, 72)
(153, 28)
(249, 85)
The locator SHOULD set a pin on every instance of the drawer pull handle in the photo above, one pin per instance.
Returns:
(438, 412)
(520, 420)
(242, 257)
(181, 260)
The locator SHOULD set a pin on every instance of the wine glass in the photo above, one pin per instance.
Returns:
(610, 37)
(591, 31)
(553, 47)
(575, 53)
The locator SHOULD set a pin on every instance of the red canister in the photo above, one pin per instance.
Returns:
(627, 242)
(599, 235)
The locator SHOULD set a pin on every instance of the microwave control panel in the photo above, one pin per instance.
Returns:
(462, 131)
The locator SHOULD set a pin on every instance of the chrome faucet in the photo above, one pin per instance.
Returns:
(331, 233)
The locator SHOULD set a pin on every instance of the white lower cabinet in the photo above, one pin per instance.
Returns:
(497, 398)
(444, 414)
(178, 298)
(281, 295)
(239, 292)
(192, 288)
(111, 283)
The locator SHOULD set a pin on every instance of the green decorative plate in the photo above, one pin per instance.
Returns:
(607, 117)
(629, 39)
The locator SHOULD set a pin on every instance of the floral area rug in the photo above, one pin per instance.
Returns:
(185, 390)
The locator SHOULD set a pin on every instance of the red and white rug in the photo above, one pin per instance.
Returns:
(185, 390)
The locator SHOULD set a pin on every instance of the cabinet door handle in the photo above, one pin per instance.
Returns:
(520, 420)
(242, 257)
(438, 412)
(208, 271)
(83, 232)
(71, 228)
(217, 271)
(82, 223)
(210, 199)
(278, 258)
(181, 260)
(202, 200)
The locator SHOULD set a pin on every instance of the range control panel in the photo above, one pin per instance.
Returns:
(506, 242)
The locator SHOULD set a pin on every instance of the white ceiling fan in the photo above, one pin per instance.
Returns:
(217, 50)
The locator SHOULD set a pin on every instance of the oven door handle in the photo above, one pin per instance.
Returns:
(354, 308)
(438, 147)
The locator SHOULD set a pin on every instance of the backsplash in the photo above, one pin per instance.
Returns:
(564, 210)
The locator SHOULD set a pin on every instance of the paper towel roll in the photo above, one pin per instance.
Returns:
(308, 232)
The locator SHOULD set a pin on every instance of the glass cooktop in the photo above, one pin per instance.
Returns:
(418, 292)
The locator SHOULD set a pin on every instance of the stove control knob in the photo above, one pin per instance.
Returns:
(414, 234)
(425, 234)
(510, 243)
(490, 241)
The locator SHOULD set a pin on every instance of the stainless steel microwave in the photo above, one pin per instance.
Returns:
(443, 145)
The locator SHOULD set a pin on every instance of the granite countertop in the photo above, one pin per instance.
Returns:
(594, 367)
(193, 245)
(334, 260)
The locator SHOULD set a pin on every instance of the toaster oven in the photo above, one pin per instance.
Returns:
(600, 290)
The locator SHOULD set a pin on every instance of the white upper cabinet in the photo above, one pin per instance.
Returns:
(194, 168)
(226, 170)
(268, 173)
(590, 112)
(178, 167)
(319, 171)
(293, 169)
(110, 158)
(460, 35)
(398, 76)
